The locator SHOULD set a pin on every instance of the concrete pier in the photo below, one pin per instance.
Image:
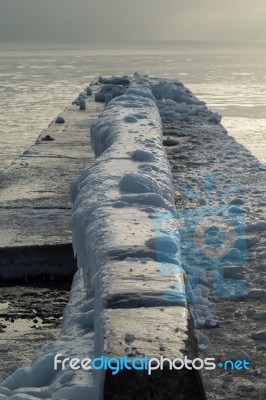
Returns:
(131, 314)
(35, 238)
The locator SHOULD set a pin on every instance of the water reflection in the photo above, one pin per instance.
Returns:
(37, 85)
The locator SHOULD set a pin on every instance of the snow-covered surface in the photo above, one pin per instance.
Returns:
(114, 201)
(214, 175)
(116, 197)
(177, 103)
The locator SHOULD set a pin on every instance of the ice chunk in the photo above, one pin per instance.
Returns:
(142, 155)
(133, 182)
(164, 243)
(215, 118)
(117, 80)
(174, 91)
(151, 199)
(130, 118)
(115, 90)
(100, 97)
(108, 97)
(82, 95)
(82, 104)
(59, 119)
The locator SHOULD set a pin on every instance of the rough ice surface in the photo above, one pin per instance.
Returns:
(59, 119)
(88, 91)
(111, 220)
(82, 104)
(177, 103)
(174, 91)
(113, 203)
(114, 180)
(116, 80)
(142, 155)
(115, 90)
(99, 97)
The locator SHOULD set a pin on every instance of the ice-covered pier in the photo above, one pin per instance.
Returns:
(147, 282)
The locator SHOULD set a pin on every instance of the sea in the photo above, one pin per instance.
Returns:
(38, 81)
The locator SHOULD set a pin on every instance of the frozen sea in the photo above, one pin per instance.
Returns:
(37, 83)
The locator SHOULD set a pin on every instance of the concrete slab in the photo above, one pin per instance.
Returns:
(152, 332)
(142, 284)
(34, 197)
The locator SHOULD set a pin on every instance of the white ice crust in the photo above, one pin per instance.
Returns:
(113, 203)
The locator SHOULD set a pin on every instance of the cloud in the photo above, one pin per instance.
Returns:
(221, 20)
(88, 21)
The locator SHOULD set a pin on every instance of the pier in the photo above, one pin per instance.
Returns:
(35, 208)
(171, 155)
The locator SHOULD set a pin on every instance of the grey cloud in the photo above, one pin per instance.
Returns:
(89, 21)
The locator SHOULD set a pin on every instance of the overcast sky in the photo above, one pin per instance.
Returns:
(92, 21)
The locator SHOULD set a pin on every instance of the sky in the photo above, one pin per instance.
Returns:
(105, 21)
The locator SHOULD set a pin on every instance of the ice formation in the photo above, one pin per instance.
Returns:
(59, 119)
(177, 103)
(113, 203)
(88, 91)
(82, 104)
(116, 80)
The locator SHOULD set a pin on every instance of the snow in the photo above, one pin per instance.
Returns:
(177, 103)
(110, 197)
(114, 90)
(149, 199)
(100, 97)
(82, 95)
(176, 92)
(179, 107)
(108, 97)
(135, 182)
(130, 118)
